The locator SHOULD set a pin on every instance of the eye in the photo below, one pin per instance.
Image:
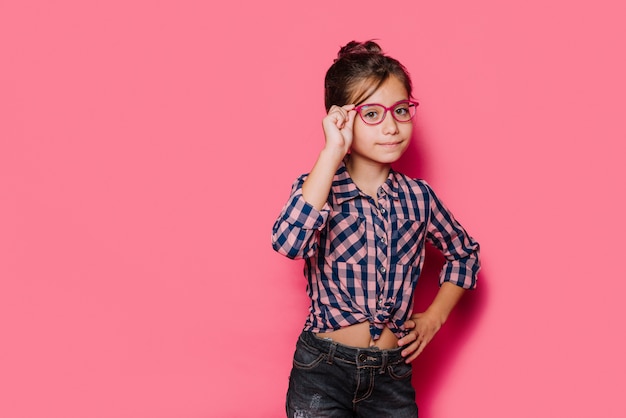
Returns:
(402, 109)
(370, 115)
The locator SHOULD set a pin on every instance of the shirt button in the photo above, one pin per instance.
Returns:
(382, 269)
(383, 239)
(383, 211)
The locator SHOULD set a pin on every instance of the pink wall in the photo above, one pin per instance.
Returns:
(146, 148)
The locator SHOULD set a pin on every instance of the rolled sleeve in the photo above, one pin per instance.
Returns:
(300, 214)
(462, 272)
(295, 232)
(460, 250)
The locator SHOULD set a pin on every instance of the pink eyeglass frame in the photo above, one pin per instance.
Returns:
(410, 102)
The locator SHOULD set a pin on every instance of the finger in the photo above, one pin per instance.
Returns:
(351, 118)
(341, 122)
(341, 110)
(407, 339)
(348, 122)
(410, 352)
(335, 119)
(410, 324)
(416, 353)
(344, 110)
(336, 109)
(423, 341)
(420, 343)
(339, 117)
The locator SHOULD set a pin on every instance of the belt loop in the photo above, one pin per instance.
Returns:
(331, 353)
(383, 366)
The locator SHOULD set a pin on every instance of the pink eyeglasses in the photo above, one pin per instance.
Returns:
(374, 113)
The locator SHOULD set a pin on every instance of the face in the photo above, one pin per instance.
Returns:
(384, 143)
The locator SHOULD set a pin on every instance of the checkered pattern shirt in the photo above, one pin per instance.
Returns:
(363, 255)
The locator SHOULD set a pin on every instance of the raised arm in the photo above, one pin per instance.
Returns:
(296, 230)
(338, 134)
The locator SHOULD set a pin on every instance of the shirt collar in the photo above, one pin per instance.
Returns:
(344, 188)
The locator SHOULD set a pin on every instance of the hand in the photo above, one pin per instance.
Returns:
(337, 126)
(423, 328)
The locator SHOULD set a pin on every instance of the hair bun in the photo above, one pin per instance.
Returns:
(354, 47)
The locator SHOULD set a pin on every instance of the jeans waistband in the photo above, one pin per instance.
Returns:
(364, 357)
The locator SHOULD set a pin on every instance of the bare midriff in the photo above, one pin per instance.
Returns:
(358, 335)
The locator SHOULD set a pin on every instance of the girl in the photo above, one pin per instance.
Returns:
(361, 229)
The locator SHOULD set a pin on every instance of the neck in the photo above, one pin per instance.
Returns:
(368, 176)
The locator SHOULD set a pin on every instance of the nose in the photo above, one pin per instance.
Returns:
(389, 124)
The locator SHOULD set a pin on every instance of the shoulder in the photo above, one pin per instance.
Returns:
(412, 186)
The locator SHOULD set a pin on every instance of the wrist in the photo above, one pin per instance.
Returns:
(440, 315)
(332, 154)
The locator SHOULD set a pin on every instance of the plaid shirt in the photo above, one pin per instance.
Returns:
(363, 256)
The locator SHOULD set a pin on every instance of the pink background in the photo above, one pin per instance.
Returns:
(146, 148)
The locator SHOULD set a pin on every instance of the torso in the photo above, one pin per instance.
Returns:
(358, 335)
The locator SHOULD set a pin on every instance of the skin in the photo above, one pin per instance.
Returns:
(373, 148)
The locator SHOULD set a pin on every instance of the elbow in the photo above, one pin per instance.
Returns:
(462, 272)
(289, 252)
(292, 250)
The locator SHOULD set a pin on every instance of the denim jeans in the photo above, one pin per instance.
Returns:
(334, 380)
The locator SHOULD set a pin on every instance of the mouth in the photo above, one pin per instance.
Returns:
(390, 144)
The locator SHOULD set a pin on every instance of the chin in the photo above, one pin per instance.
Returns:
(391, 158)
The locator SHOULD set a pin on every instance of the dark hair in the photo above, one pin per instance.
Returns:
(360, 68)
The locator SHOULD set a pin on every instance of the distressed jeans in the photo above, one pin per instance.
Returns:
(333, 380)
